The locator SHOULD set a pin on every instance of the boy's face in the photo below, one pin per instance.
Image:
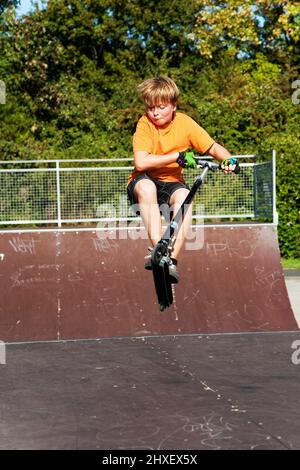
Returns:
(161, 114)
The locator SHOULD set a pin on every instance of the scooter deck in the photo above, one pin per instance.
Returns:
(162, 283)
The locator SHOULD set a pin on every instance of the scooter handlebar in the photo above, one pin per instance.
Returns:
(213, 165)
(207, 164)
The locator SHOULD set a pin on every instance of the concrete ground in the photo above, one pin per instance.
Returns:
(195, 392)
(292, 281)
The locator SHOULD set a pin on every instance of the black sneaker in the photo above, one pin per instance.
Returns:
(174, 276)
(148, 264)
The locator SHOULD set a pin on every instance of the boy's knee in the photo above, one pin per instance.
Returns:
(179, 196)
(145, 189)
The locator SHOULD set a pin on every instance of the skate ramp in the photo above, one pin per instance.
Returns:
(58, 285)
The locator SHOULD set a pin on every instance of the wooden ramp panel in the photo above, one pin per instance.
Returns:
(59, 285)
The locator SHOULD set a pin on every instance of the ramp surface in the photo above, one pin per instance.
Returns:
(205, 392)
(72, 284)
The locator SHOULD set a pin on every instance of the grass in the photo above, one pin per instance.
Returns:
(292, 263)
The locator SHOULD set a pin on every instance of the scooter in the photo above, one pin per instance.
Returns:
(161, 253)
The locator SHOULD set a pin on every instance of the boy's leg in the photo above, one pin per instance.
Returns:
(146, 196)
(176, 200)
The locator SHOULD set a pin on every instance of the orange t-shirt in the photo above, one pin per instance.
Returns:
(180, 134)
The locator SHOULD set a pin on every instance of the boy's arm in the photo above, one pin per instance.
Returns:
(221, 154)
(145, 161)
(218, 152)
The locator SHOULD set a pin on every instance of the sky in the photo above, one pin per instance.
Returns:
(26, 6)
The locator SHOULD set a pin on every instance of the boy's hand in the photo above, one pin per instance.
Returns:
(186, 160)
(230, 165)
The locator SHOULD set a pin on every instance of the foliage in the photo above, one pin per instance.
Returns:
(246, 27)
(4, 4)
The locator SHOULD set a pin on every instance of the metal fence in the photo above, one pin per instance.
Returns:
(47, 192)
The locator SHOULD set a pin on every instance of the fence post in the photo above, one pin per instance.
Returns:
(58, 193)
(2, 353)
(2, 92)
(275, 214)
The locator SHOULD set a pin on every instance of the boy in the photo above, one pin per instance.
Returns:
(162, 136)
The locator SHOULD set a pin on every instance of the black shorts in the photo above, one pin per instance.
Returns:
(164, 191)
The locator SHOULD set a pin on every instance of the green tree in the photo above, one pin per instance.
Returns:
(8, 3)
(247, 27)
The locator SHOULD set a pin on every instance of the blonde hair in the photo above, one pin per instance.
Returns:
(158, 90)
